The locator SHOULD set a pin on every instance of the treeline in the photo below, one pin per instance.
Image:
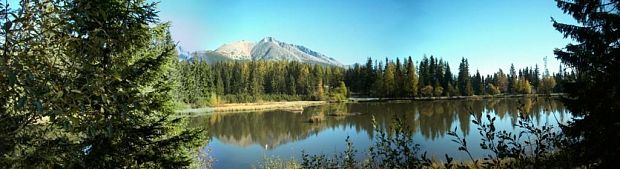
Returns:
(434, 78)
(205, 84)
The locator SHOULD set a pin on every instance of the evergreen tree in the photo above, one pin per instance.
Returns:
(369, 76)
(110, 79)
(535, 77)
(477, 83)
(512, 78)
(399, 78)
(411, 81)
(378, 88)
(464, 81)
(424, 72)
(448, 81)
(28, 86)
(594, 57)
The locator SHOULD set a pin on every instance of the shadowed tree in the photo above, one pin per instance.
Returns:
(594, 95)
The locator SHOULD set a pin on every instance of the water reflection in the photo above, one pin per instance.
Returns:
(431, 119)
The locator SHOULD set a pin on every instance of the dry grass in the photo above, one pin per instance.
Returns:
(293, 106)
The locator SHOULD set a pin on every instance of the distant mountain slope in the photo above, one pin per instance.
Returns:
(209, 57)
(238, 50)
(266, 49)
(271, 49)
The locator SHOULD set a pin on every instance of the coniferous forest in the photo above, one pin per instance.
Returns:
(203, 84)
(99, 84)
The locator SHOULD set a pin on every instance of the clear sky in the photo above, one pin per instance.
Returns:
(492, 34)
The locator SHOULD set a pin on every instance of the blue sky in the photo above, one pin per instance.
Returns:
(492, 34)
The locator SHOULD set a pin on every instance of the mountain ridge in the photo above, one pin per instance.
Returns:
(267, 49)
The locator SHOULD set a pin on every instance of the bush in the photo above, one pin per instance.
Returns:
(427, 91)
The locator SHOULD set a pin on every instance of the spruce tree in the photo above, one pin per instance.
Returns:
(464, 80)
(107, 66)
(593, 96)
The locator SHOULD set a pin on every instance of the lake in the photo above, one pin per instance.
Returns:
(240, 140)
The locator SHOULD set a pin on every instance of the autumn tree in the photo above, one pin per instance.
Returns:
(501, 81)
(547, 83)
(411, 79)
(389, 79)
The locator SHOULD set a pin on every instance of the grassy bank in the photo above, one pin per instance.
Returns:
(294, 106)
(370, 99)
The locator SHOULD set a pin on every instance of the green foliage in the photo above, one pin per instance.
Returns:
(492, 90)
(278, 163)
(253, 81)
(427, 91)
(340, 93)
(28, 88)
(380, 79)
(523, 86)
(393, 148)
(389, 82)
(438, 91)
(593, 94)
(464, 80)
(501, 81)
(210, 100)
(98, 73)
(547, 84)
(411, 80)
(531, 148)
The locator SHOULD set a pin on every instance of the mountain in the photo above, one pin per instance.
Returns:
(266, 49)
(241, 50)
(272, 49)
(209, 56)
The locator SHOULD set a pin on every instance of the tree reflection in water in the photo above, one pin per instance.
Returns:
(432, 119)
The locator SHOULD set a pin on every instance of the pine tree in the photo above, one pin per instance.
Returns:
(448, 81)
(424, 72)
(535, 77)
(411, 81)
(369, 76)
(464, 80)
(477, 83)
(512, 78)
(399, 78)
(594, 57)
(378, 88)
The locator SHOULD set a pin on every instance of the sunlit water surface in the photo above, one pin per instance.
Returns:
(241, 140)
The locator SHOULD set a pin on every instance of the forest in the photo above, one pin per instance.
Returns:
(93, 84)
(202, 84)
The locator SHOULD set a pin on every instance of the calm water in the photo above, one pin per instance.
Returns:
(240, 140)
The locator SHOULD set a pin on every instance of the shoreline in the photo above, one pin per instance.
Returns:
(474, 97)
(293, 106)
(298, 106)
